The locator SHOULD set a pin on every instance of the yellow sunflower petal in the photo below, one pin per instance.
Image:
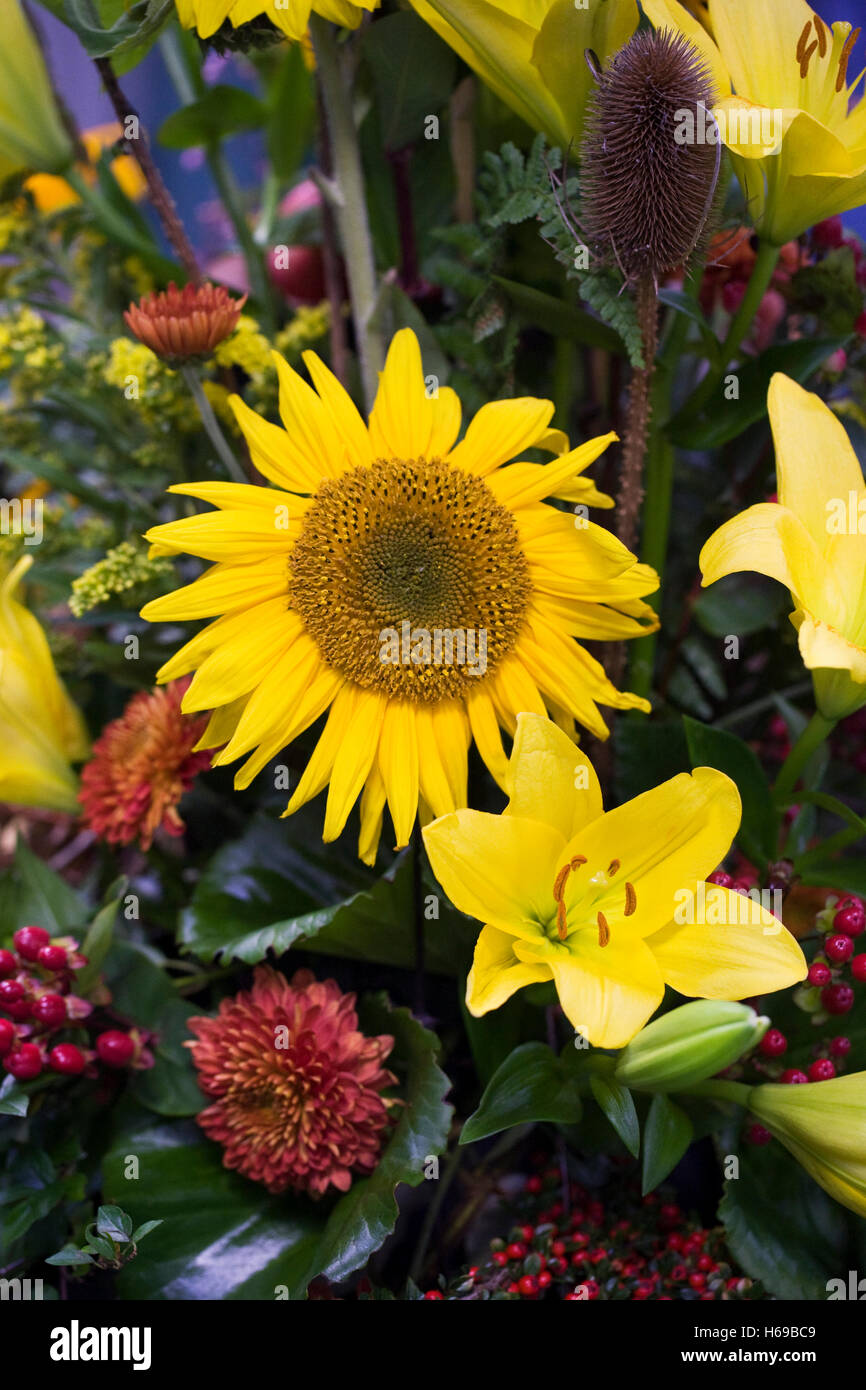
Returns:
(343, 411)
(354, 757)
(224, 535)
(308, 422)
(240, 662)
(524, 483)
(372, 809)
(398, 764)
(499, 432)
(401, 421)
(274, 453)
(219, 590)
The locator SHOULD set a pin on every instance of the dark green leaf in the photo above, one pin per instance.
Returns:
(740, 605)
(31, 893)
(144, 1230)
(666, 1136)
(14, 1100)
(713, 747)
(291, 112)
(134, 26)
(413, 75)
(560, 317)
(114, 1223)
(617, 1104)
(685, 304)
(143, 992)
(96, 945)
(222, 111)
(531, 1085)
(69, 1255)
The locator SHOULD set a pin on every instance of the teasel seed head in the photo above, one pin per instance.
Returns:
(646, 195)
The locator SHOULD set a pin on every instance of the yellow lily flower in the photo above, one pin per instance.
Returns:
(783, 110)
(42, 729)
(824, 1126)
(32, 134)
(50, 192)
(291, 16)
(607, 905)
(813, 541)
(530, 52)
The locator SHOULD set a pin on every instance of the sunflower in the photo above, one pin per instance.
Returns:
(291, 17)
(415, 588)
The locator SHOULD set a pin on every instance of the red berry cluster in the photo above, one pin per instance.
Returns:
(843, 920)
(36, 994)
(625, 1247)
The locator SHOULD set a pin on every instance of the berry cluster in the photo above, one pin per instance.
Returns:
(625, 1247)
(842, 921)
(36, 993)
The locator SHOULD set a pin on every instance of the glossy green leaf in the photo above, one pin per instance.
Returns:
(143, 993)
(667, 1134)
(531, 1085)
(413, 75)
(222, 111)
(69, 1255)
(33, 894)
(14, 1100)
(714, 747)
(616, 1103)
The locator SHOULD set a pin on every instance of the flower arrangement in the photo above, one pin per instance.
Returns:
(432, 652)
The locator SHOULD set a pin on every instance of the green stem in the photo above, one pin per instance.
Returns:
(810, 740)
(736, 1091)
(759, 283)
(252, 253)
(349, 199)
(212, 427)
(453, 1162)
(818, 856)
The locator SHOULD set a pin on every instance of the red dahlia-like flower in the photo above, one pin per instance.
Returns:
(296, 1087)
(141, 766)
(180, 324)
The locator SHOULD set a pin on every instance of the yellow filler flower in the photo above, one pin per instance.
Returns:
(291, 16)
(813, 541)
(610, 906)
(531, 52)
(781, 74)
(413, 586)
(32, 134)
(42, 729)
(51, 193)
(824, 1126)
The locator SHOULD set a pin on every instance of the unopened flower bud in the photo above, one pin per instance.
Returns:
(689, 1044)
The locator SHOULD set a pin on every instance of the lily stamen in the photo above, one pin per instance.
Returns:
(612, 867)
(561, 920)
(630, 899)
(559, 888)
(603, 930)
(807, 55)
(821, 31)
(803, 40)
(844, 56)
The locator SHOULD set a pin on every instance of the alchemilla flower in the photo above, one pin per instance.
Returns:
(181, 324)
(812, 541)
(296, 1088)
(289, 18)
(142, 765)
(413, 587)
(595, 901)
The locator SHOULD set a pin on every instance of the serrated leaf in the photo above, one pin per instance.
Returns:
(531, 1085)
(616, 1103)
(667, 1134)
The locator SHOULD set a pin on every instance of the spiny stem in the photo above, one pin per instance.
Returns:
(159, 195)
(211, 424)
(638, 417)
(350, 206)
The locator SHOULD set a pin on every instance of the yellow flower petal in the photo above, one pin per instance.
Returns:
(730, 961)
(401, 422)
(499, 431)
(398, 764)
(550, 779)
(607, 993)
(497, 973)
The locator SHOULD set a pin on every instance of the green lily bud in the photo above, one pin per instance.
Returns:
(32, 134)
(689, 1044)
(824, 1126)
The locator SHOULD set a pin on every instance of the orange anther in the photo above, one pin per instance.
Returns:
(821, 31)
(843, 59)
(561, 923)
(603, 930)
(804, 61)
(612, 867)
(630, 899)
(803, 40)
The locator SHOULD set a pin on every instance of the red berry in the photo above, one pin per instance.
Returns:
(592, 1289)
(828, 234)
(116, 1049)
(674, 1242)
(49, 1009)
(858, 969)
(838, 999)
(528, 1286)
(670, 1214)
(20, 1011)
(7, 1036)
(532, 1185)
(11, 992)
(840, 1047)
(25, 1062)
(819, 973)
(558, 1247)
(756, 1134)
(839, 948)
(8, 964)
(558, 1265)
(721, 878)
(706, 1264)
(515, 1251)
(499, 1258)
(644, 1289)
(29, 942)
(432, 1295)
(52, 958)
(850, 916)
(773, 1043)
(527, 1232)
(698, 1281)
(67, 1059)
(513, 1287)
(545, 1279)
(822, 1070)
(793, 1077)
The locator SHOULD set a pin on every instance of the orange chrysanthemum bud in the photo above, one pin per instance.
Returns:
(295, 1086)
(141, 767)
(182, 324)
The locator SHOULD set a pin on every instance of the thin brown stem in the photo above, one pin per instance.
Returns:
(638, 417)
(140, 150)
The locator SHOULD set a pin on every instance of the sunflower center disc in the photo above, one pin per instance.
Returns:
(410, 577)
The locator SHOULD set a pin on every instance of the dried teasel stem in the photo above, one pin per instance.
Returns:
(638, 416)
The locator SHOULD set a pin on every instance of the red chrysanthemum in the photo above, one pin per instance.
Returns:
(141, 766)
(181, 324)
(296, 1086)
